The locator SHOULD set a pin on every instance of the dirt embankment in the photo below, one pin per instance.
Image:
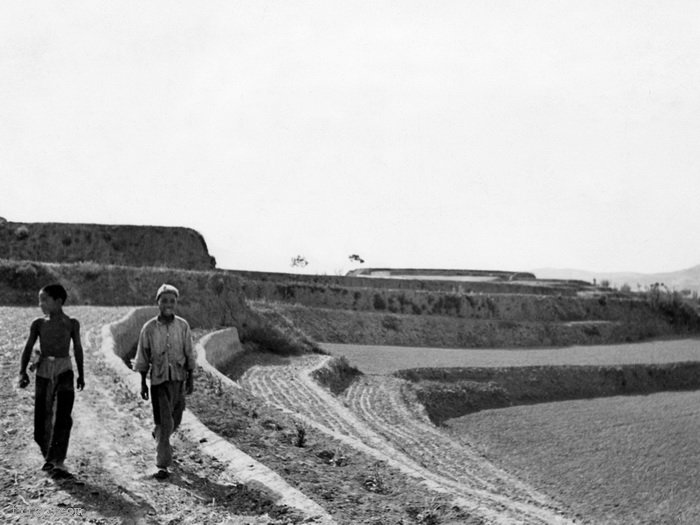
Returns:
(508, 306)
(105, 244)
(454, 392)
(207, 299)
(262, 284)
(496, 275)
(521, 316)
(351, 314)
(360, 327)
(210, 299)
(324, 288)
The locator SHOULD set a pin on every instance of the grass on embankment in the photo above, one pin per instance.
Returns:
(454, 392)
(330, 325)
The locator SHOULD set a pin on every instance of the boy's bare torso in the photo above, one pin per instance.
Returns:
(55, 335)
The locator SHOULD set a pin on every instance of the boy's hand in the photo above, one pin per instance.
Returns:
(144, 391)
(23, 380)
(80, 383)
(189, 384)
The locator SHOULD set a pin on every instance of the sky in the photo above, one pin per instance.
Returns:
(502, 135)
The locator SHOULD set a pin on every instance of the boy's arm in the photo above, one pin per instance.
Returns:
(78, 354)
(27, 352)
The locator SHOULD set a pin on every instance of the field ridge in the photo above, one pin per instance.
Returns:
(292, 388)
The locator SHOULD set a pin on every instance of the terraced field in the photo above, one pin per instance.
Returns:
(617, 460)
(614, 461)
(388, 359)
(620, 460)
(375, 418)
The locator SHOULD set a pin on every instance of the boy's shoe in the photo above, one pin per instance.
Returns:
(47, 466)
(161, 474)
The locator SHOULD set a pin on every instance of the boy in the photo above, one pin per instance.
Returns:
(165, 347)
(54, 395)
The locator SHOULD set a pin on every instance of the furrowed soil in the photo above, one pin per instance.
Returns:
(378, 418)
(617, 460)
(353, 486)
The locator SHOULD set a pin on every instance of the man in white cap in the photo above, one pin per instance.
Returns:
(165, 348)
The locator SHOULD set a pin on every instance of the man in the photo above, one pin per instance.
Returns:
(165, 348)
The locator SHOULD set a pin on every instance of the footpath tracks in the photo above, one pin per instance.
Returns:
(375, 418)
(111, 453)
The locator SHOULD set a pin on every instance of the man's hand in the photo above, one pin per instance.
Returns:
(23, 380)
(189, 384)
(80, 383)
(144, 391)
(128, 362)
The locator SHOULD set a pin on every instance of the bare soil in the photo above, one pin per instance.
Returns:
(111, 456)
(378, 359)
(111, 453)
(616, 460)
(354, 487)
(451, 383)
(368, 455)
(375, 418)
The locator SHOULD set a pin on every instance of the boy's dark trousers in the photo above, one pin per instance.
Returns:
(168, 401)
(53, 404)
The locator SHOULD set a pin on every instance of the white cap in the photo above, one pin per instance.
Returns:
(167, 288)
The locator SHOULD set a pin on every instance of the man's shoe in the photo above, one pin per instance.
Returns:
(47, 466)
(161, 474)
(59, 473)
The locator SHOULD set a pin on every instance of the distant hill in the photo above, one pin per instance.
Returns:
(128, 245)
(688, 279)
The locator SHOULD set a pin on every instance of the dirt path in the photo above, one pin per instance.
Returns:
(111, 453)
(375, 419)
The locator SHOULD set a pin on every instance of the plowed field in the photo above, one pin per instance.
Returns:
(376, 418)
(617, 460)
